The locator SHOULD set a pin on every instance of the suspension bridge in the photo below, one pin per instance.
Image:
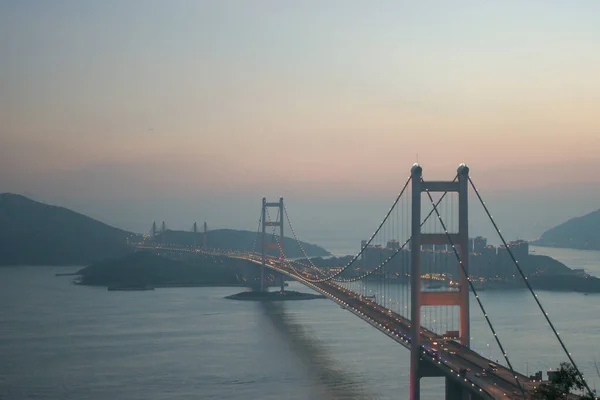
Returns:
(419, 263)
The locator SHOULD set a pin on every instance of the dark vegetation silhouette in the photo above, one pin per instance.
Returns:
(561, 383)
(144, 268)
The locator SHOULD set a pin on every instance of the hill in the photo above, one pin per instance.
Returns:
(578, 233)
(241, 240)
(34, 233)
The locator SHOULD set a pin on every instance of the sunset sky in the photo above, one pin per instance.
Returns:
(131, 111)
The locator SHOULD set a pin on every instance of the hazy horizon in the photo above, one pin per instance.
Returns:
(137, 111)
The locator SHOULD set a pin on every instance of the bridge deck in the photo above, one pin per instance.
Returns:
(444, 358)
(447, 356)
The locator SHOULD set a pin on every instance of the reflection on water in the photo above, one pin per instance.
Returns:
(338, 382)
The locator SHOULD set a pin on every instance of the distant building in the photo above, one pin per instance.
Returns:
(363, 244)
(537, 376)
(479, 245)
(372, 255)
(489, 252)
(520, 249)
(505, 266)
(393, 245)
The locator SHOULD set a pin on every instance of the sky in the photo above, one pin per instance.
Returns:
(141, 110)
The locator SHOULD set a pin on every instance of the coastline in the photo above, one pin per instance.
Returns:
(589, 260)
(179, 285)
(554, 246)
(142, 266)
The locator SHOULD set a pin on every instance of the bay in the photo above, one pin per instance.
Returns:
(63, 341)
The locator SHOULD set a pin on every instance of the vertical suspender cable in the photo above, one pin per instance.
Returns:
(562, 344)
(476, 295)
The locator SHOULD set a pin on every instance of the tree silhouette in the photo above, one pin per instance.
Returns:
(561, 383)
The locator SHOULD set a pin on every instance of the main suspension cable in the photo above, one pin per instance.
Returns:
(535, 296)
(287, 216)
(397, 250)
(368, 273)
(336, 274)
(368, 242)
(257, 233)
(464, 270)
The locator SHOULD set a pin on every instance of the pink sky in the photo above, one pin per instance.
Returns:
(134, 100)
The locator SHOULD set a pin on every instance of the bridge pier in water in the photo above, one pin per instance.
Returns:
(419, 298)
(453, 390)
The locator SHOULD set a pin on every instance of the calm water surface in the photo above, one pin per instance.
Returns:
(62, 341)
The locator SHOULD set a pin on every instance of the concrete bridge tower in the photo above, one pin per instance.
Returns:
(459, 239)
(265, 245)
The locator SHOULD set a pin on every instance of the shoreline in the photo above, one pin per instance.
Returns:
(499, 288)
(550, 246)
(179, 285)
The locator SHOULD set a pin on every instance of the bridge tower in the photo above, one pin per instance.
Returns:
(195, 234)
(419, 298)
(164, 229)
(205, 234)
(265, 245)
(153, 230)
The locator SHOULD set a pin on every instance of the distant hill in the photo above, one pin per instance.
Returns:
(33, 233)
(232, 239)
(578, 233)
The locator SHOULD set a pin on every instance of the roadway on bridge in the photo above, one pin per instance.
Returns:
(449, 356)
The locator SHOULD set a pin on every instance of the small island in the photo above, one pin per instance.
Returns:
(144, 270)
(275, 296)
